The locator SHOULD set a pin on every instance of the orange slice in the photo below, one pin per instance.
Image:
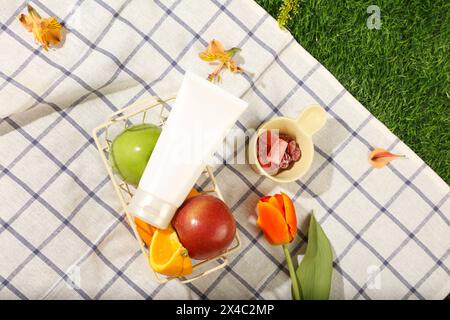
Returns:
(167, 255)
(145, 231)
(193, 193)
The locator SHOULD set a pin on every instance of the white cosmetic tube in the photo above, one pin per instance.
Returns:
(200, 118)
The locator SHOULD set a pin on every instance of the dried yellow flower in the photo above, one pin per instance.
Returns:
(216, 52)
(46, 31)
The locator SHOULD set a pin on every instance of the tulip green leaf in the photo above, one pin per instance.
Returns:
(314, 271)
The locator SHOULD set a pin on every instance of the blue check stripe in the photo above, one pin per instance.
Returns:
(383, 210)
(33, 55)
(93, 249)
(117, 275)
(35, 253)
(428, 274)
(79, 63)
(196, 37)
(12, 288)
(412, 235)
(66, 223)
(39, 100)
(64, 115)
(41, 55)
(14, 16)
(356, 235)
(107, 53)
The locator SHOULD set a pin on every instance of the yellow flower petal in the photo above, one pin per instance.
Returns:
(216, 47)
(33, 13)
(46, 31)
(231, 52)
(216, 52)
(208, 56)
(27, 22)
(51, 23)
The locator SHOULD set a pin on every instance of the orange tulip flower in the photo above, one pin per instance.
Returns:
(278, 222)
(277, 219)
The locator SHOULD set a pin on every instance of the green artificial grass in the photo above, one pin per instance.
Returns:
(400, 73)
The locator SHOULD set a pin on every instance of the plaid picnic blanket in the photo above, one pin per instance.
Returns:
(60, 220)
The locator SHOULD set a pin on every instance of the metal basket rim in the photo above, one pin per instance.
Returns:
(123, 115)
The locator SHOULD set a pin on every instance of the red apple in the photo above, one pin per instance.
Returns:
(205, 226)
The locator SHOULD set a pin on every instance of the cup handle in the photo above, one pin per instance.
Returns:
(312, 119)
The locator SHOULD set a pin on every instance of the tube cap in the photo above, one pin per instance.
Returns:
(151, 209)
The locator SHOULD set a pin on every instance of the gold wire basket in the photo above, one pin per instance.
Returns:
(122, 119)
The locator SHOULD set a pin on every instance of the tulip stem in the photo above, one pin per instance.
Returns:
(295, 284)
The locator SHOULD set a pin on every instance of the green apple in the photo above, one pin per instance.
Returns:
(131, 150)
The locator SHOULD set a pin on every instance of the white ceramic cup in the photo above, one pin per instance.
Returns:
(301, 129)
